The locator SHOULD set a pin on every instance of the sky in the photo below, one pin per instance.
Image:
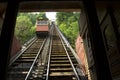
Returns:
(51, 15)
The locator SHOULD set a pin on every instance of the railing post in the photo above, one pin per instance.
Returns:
(7, 36)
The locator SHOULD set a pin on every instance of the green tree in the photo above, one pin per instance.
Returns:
(68, 24)
(62, 17)
(42, 15)
(23, 29)
(25, 25)
(32, 16)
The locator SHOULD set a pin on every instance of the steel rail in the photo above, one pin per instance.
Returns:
(68, 45)
(76, 74)
(40, 49)
(17, 56)
(73, 52)
(48, 66)
(29, 41)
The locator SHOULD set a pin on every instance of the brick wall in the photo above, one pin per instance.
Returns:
(82, 56)
(16, 46)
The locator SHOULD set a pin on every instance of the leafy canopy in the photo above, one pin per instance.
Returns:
(68, 24)
(25, 25)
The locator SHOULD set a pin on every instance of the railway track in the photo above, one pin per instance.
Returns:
(21, 67)
(46, 59)
(62, 65)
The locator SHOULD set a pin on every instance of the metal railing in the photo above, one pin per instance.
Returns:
(71, 49)
(76, 74)
(21, 51)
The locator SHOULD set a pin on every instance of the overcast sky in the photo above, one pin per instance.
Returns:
(51, 15)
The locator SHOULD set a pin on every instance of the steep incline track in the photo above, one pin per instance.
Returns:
(47, 59)
(20, 68)
(61, 64)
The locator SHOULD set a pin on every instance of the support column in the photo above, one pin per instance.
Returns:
(98, 48)
(7, 36)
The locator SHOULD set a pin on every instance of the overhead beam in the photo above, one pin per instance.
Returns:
(36, 6)
(45, 6)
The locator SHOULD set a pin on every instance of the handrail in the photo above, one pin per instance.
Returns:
(21, 52)
(35, 59)
(29, 41)
(68, 45)
(70, 59)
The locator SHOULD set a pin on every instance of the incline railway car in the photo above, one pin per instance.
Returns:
(42, 27)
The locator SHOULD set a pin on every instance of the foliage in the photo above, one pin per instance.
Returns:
(25, 25)
(68, 24)
(42, 16)
(23, 29)
(31, 16)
